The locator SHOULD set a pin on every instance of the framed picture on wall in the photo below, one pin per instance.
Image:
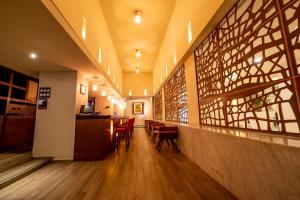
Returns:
(82, 89)
(138, 108)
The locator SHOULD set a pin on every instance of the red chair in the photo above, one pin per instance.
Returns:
(122, 132)
(132, 127)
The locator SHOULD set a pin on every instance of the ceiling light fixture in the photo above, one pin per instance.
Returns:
(137, 70)
(138, 53)
(103, 93)
(137, 17)
(33, 55)
(95, 87)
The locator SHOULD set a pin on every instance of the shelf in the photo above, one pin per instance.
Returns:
(18, 94)
(4, 90)
(22, 101)
(19, 80)
(4, 76)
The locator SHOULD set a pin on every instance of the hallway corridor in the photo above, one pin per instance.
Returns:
(142, 173)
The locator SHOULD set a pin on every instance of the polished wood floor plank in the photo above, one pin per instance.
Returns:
(139, 174)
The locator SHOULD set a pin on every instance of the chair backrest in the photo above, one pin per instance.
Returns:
(129, 125)
(168, 128)
(129, 121)
(154, 124)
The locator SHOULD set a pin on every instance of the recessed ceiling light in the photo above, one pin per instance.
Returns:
(174, 57)
(137, 17)
(190, 34)
(138, 53)
(137, 70)
(100, 56)
(83, 28)
(33, 55)
(103, 93)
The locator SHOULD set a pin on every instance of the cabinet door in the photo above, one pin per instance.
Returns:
(32, 91)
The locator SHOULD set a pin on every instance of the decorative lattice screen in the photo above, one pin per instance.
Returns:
(176, 98)
(248, 68)
(158, 112)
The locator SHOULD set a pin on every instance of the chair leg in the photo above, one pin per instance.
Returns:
(175, 147)
(153, 137)
(160, 146)
(168, 143)
(127, 137)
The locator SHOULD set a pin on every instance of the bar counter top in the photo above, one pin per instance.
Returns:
(92, 116)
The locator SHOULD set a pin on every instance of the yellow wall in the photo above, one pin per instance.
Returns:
(81, 99)
(97, 34)
(199, 12)
(137, 83)
(148, 110)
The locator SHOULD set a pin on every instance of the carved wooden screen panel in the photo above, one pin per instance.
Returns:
(292, 24)
(176, 98)
(158, 106)
(248, 68)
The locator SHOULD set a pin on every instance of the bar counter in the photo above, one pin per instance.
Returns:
(92, 137)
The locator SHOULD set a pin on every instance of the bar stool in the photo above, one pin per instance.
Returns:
(122, 132)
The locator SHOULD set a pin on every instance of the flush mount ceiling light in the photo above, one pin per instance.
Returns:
(33, 55)
(137, 17)
(138, 53)
(95, 87)
(137, 70)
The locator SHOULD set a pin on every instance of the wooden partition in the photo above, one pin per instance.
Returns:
(248, 68)
(158, 106)
(176, 97)
(18, 95)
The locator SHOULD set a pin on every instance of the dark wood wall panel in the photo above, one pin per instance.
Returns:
(248, 68)
(176, 98)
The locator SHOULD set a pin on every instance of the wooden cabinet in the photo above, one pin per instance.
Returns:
(16, 88)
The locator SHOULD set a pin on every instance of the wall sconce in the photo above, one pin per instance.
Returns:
(137, 70)
(95, 87)
(138, 53)
(137, 17)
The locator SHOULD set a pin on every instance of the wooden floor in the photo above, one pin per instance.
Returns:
(141, 173)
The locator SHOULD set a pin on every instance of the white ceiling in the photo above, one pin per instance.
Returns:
(128, 36)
